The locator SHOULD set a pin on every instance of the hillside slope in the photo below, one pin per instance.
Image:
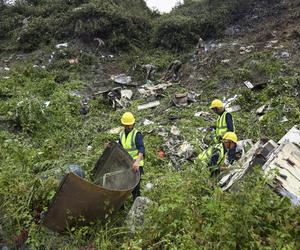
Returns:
(42, 131)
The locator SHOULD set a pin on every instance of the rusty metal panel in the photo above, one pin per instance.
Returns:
(78, 198)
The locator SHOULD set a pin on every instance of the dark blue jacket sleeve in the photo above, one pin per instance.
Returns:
(229, 122)
(139, 143)
(214, 159)
(231, 155)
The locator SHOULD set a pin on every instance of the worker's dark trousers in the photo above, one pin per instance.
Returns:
(136, 191)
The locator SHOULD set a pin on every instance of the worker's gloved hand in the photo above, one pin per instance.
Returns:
(108, 145)
(136, 165)
(223, 167)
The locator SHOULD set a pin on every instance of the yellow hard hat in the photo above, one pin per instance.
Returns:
(230, 136)
(216, 104)
(127, 118)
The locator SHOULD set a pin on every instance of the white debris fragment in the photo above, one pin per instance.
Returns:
(121, 79)
(283, 166)
(89, 148)
(261, 118)
(249, 85)
(198, 114)
(247, 49)
(175, 130)
(6, 68)
(185, 149)
(285, 54)
(234, 108)
(284, 119)
(230, 100)
(148, 105)
(147, 122)
(46, 104)
(20, 103)
(226, 61)
(77, 8)
(261, 110)
(6, 77)
(116, 130)
(205, 115)
(293, 135)
(75, 94)
(61, 45)
(202, 113)
(126, 93)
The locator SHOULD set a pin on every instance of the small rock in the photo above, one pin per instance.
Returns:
(149, 186)
(135, 216)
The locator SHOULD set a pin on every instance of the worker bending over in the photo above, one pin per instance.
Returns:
(219, 156)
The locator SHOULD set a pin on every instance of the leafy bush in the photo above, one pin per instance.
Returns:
(174, 32)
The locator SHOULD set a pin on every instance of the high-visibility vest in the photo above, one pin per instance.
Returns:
(221, 126)
(129, 145)
(207, 154)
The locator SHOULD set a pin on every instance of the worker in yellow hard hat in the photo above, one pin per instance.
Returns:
(220, 155)
(224, 122)
(132, 141)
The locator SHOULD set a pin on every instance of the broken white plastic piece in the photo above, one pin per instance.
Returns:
(148, 105)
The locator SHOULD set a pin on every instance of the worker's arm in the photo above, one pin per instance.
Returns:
(214, 159)
(231, 155)
(140, 147)
(229, 122)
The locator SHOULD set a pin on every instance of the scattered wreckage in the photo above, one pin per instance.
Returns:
(117, 97)
(113, 181)
(280, 163)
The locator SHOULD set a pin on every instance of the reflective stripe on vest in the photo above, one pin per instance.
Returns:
(129, 145)
(207, 154)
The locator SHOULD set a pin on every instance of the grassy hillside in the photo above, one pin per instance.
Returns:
(42, 130)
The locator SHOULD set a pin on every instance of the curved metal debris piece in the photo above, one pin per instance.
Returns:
(77, 198)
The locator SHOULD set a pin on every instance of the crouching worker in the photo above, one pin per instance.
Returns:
(219, 156)
(132, 141)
